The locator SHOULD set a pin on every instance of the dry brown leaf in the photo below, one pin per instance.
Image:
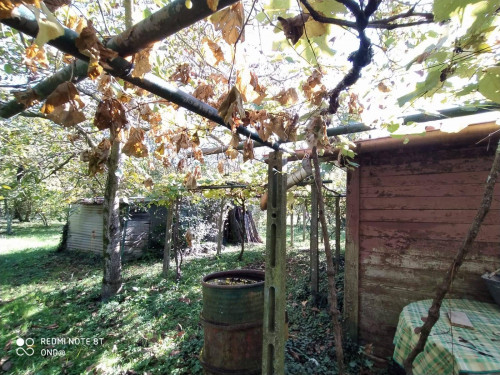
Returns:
(264, 131)
(55, 4)
(66, 115)
(294, 27)
(198, 154)
(182, 73)
(212, 4)
(28, 97)
(235, 140)
(110, 113)
(160, 152)
(34, 56)
(287, 97)
(230, 22)
(382, 87)
(313, 90)
(232, 153)
(66, 92)
(142, 62)
(181, 140)
(248, 150)
(181, 165)
(220, 166)
(218, 78)
(316, 133)
(89, 44)
(355, 107)
(97, 157)
(231, 107)
(134, 145)
(254, 81)
(190, 181)
(148, 183)
(291, 128)
(215, 49)
(204, 92)
(6, 8)
(189, 237)
(104, 86)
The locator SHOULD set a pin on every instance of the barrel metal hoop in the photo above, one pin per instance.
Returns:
(231, 327)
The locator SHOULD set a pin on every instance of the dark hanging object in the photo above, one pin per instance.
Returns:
(233, 225)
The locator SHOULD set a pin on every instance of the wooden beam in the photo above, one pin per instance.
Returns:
(274, 333)
(313, 244)
(351, 287)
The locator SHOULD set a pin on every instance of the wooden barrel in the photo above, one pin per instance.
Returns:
(233, 309)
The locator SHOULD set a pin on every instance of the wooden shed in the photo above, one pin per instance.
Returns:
(143, 226)
(409, 207)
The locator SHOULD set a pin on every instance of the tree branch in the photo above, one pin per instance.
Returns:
(59, 167)
(384, 23)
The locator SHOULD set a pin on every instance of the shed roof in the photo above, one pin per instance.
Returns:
(429, 134)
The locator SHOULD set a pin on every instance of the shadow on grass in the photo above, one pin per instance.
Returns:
(152, 326)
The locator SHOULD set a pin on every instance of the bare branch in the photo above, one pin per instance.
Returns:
(384, 23)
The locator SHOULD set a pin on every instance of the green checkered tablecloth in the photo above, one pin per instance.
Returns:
(451, 349)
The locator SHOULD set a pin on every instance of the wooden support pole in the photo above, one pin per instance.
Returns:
(337, 233)
(168, 240)
(274, 330)
(313, 241)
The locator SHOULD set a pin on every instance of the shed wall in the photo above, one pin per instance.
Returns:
(85, 228)
(85, 231)
(414, 210)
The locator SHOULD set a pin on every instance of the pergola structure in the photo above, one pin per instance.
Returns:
(165, 22)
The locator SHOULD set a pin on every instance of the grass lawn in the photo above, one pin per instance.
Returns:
(152, 327)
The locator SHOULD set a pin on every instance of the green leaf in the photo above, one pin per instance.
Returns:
(261, 17)
(8, 69)
(6, 187)
(278, 4)
(327, 7)
(444, 9)
(289, 59)
(489, 84)
(392, 127)
(422, 88)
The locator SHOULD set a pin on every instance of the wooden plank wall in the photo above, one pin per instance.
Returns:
(415, 208)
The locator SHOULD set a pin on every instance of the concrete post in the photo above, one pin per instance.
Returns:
(274, 330)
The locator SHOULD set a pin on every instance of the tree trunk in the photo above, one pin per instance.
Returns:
(234, 223)
(220, 221)
(168, 241)
(444, 288)
(330, 270)
(176, 241)
(304, 223)
(243, 230)
(291, 228)
(8, 217)
(112, 279)
(337, 234)
(44, 219)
